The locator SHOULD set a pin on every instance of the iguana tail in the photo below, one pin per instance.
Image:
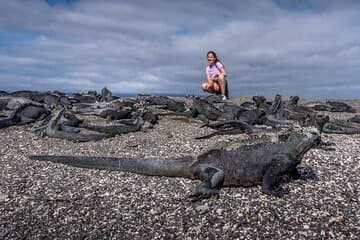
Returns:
(6, 122)
(177, 167)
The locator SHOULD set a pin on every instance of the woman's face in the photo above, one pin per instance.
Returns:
(211, 59)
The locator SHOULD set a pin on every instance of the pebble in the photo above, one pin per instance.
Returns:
(306, 227)
(45, 200)
(3, 197)
(202, 208)
(3, 234)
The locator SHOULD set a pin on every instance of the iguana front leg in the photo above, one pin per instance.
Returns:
(304, 175)
(294, 173)
(211, 178)
(280, 164)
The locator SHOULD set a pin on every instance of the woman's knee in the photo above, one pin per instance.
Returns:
(205, 86)
(216, 87)
(222, 77)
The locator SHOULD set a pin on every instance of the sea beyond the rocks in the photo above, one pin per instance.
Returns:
(131, 95)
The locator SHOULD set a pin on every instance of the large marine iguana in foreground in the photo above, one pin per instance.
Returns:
(236, 164)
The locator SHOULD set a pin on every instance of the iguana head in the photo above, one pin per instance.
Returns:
(320, 120)
(302, 140)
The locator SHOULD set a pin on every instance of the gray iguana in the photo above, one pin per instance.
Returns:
(229, 165)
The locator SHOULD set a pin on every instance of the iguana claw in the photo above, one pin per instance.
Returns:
(276, 192)
(202, 193)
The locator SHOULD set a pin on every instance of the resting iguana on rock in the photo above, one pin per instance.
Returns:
(24, 111)
(228, 165)
(341, 127)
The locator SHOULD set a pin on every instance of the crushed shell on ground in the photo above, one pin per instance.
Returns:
(51, 201)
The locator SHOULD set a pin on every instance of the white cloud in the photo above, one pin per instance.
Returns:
(161, 46)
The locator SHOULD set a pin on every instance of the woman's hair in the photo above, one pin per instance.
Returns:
(214, 54)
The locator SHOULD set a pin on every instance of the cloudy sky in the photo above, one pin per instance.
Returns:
(291, 47)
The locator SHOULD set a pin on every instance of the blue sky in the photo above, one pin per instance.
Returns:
(305, 48)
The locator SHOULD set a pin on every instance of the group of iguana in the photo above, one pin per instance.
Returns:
(231, 164)
(80, 117)
(105, 115)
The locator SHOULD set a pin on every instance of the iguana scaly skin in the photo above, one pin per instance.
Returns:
(228, 165)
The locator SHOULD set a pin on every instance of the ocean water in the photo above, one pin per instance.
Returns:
(132, 95)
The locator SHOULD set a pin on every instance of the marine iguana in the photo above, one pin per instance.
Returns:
(24, 111)
(58, 128)
(355, 119)
(341, 127)
(209, 111)
(332, 106)
(106, 95)
(228, 165)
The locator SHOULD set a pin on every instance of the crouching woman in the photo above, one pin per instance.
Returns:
(215, 76)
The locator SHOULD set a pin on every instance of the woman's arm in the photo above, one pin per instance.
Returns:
(221, 68)
(223, 71)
